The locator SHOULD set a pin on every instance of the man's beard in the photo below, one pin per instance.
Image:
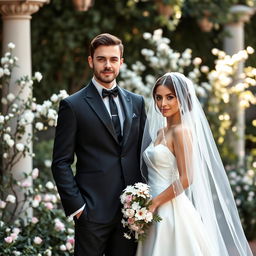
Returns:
(103, 79)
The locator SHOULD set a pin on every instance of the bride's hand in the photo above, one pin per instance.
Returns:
(153, 206)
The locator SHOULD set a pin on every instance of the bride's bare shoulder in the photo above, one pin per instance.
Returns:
(180, 130)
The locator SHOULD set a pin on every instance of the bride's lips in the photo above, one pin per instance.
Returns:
(165, 110)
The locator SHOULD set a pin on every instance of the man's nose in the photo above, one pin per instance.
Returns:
(107, 63)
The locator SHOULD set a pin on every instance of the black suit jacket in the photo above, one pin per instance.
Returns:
(104, 167)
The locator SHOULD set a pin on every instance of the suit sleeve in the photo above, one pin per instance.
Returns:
(63, 157)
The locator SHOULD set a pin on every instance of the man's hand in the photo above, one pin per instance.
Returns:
(78, 215)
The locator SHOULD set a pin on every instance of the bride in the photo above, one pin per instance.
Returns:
(188, 183)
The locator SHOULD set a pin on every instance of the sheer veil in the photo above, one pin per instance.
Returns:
(208, 186)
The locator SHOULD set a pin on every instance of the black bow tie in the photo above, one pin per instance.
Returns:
(107, 93)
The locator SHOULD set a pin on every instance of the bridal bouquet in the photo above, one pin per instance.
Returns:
(136, 200)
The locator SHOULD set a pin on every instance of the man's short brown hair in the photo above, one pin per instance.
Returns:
(107, 40)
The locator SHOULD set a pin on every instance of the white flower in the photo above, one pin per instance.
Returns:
(16, 230)
(48, 252)
(11, 45)
(39, 126)
(5, 155)
(52, 123)
(38, 76)
(141, 214)
(71, 231)
(47, 163)
(129, 213)
(135, 206)
(2, 204)
(20, 147)
(197, 61)
(35, 203)
(49, 185)
(204, 69)
(28, 116)
(10, 143)
(38, 240)
(4, 101)
(16, 253)
(127, 236)
(35, 173)
(34, 220)
(4, 60)
(149, 217)
(11, 199)
(7, 71)
(146, 35)
(63, 247)
(10, 97)
(63, 94)
(1, 119)
(54, 98)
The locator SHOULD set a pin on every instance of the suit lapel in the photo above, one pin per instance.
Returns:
(93, 98)
(127, 106)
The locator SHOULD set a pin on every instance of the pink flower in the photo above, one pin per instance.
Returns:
(47, 198)
(134, 227)
(35, 173)
(128, 198)
(59, 226)
(38, 198)
(69, 246)
(26, 184)
(2, 204)
(38, 240)
(34, 220)
(14, 236)
(8, 239)
(71, 240)
(131, 220)
(126, 205)
(48, 205)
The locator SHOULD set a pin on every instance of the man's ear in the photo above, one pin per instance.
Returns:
(121, 61)
(90, 62)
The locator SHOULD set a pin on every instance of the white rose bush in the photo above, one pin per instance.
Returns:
(47, 231)
(221, 92)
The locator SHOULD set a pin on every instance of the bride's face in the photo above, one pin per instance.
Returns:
(166, 101)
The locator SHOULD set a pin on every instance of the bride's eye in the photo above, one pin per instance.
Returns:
(158, 97)
(170, 97)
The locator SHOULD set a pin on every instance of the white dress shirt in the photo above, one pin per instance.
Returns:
(99, 88)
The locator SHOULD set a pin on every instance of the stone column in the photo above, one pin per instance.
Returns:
(16, 17)
(233, 43)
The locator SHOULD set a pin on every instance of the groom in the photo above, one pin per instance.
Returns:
(102, 125)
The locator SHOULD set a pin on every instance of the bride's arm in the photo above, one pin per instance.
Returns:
(182, 150)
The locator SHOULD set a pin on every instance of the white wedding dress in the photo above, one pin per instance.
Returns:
(181, 231)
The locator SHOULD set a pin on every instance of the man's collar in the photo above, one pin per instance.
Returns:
(100, 87)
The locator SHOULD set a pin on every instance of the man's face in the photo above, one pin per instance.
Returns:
(106, 63)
